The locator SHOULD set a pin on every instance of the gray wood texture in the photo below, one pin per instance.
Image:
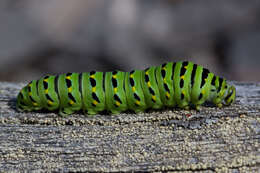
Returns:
(213, 139)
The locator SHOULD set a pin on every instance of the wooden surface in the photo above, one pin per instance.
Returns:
(214, 139)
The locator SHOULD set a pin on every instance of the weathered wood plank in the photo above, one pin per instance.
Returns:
(170, 140)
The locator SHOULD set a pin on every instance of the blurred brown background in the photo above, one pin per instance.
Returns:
(57, 36)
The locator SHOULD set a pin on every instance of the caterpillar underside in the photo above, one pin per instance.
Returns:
(173, 84)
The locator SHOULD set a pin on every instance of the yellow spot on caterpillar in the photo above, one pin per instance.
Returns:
(167, 94)
(68, 77)
(131, 75)
(30, 85)
(182, 77)
(114, 76)
(115, 90)
(117, 103)
(146, 72)
(164, 68)
(186, 67)
(46, 91)
(49, 102)
(95, 102)
(35, 104)
(71, 102)
(69, 89)
(203, 92)
(30, 93)
(45, 80)
(137, 102)
(205, 79)
(94, 89)
(183, 92)
(133, 89)
(92, 76)
(153, 97)
(149, 84)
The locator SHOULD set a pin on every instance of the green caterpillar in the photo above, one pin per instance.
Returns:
(174, 84)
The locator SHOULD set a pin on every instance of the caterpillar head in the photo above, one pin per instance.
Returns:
(230, 95)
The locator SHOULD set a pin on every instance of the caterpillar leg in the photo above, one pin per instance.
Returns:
(198, 107)
(219, 105)
(89, 113)
(115, 112)
(64, 112)
(187, 107)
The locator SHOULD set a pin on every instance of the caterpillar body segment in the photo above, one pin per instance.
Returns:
(115, 93)
(93, 92)
(173, 84)
(47, 92)
(164, 76)
(134, 91)
(150, 89)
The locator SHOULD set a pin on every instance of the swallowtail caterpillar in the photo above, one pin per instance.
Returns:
(173, 84)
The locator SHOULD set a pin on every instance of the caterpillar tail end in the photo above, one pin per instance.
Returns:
(230, 95)
(18, 106)
(21, 105)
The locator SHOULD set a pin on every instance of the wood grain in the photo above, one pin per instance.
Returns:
(213, 139)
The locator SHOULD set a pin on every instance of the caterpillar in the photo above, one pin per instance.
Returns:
(173, 84)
